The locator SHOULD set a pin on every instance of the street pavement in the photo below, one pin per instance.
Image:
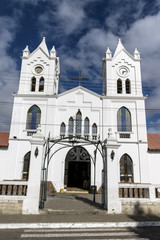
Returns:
(82, 234)
(76, 208)
(75, 216)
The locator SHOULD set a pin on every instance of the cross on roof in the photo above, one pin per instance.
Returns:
(80, 78)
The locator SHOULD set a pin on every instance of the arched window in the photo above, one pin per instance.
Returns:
(33, 117)
(33, 84)
(86, 126)
(126, 169)
(119, 86)
(26, 164)
(62, 129)
(70, 126)
(94, 131)
(128, 86)
(41, 84)
(124, 120)
(78, 122)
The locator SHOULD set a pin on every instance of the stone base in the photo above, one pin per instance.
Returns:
(50, 188)
(140, 207)
(11, 206)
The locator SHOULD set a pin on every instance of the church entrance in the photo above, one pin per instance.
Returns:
(77, 168)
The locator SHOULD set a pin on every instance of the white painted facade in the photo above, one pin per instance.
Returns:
(99, 109)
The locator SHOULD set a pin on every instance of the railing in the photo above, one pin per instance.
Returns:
(13, 188)
(31, 132)
(124, 135)
(133, 191)
(92, 137)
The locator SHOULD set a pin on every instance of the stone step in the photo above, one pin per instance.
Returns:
(73, 212)
(75, 190)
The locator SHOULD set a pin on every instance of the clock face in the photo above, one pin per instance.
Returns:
(123, 71)
(38, 69)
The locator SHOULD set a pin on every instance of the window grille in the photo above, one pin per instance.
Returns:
(33, 84)
(126, 169)
(86, 126)
(70, 126)
(33, 117)
(124, 120)
(128, 86)
(94, 131)
(62, 129)
(78, 123)
(119, 86)
(41, 84)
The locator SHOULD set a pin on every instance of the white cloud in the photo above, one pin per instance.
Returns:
(9, 75)
(154, 126)
(144, 34)
(88, 54)
(115, 20)
(71, 15)
(65, 18)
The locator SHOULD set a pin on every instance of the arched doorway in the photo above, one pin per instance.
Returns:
(25, 174)
(77, 168)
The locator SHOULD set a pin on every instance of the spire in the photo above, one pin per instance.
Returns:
(136, 54)
(53, 52)
(108, 53)
(119, 47)
(26, 52)
(43, 46)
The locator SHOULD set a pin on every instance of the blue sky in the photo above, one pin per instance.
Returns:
(81, 31)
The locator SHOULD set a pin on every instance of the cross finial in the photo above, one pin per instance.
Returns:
(44, 38)
(80, 78)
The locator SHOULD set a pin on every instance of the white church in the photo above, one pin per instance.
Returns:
(80, 139)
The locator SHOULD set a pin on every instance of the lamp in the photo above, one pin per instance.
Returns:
(36, 152)
(112, 154)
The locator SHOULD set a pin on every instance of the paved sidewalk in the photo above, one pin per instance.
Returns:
(73, 209)
(73, 202)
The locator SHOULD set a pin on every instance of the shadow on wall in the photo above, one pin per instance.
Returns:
(140, 215)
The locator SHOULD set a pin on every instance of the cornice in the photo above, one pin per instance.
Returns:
(125, 97)
(26, 95)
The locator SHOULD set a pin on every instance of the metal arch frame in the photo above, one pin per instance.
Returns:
(71, 141)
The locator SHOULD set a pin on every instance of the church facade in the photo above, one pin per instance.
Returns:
(116, 118)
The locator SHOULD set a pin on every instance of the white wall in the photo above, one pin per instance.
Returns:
(154, 166)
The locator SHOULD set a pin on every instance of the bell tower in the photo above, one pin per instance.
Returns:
(123, 100)
(124, 108)
(121, 73)
(39, 71)
(38, 88)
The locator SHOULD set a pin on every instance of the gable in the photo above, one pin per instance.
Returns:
(79, 90)
(79, 97)
(123, 54)
(37, 53)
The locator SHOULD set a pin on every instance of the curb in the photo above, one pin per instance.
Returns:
(75, 212)
(78, 225)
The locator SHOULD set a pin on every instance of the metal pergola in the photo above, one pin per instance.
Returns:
(67, 142)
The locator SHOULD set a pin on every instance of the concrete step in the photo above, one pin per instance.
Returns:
(73, 212)
(75, 190)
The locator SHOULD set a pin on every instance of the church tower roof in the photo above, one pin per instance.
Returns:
(119, 47)
(43, 46)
